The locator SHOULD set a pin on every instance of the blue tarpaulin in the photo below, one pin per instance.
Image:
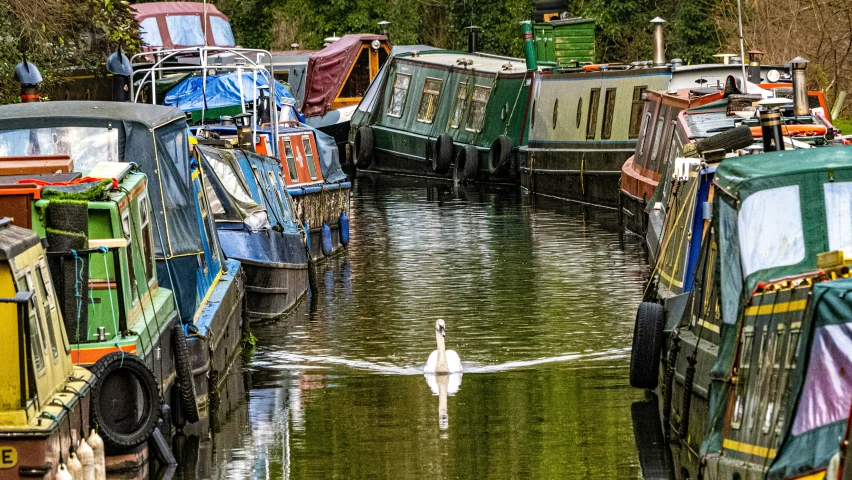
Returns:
(222, 91)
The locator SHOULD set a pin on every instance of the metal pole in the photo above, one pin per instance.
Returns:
(742, 44)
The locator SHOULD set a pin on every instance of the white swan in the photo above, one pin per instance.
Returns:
(442, 360)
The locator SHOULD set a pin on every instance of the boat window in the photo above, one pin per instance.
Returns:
(185, 30)
(476, 113)
(87, 146)
(429, 100)
(400, 92)
(579, 111)
(838, 215)
(125, 225)
(458, 108)
(48, 311)
(770, 229)
(45, 280)
(277, 190)
(609, 113)
(555, 112)
(636, 111)
(149, 32)
(37, 344)
(674, 147)
(742, 377)
(309, 154)
(147, 238)
(291, 162)
(359, 77)
(222, 34)
(769, 411)
(644, 135)
(383, 57)
(658, 135)
(592, 120)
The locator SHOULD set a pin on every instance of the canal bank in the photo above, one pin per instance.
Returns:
(538, 300)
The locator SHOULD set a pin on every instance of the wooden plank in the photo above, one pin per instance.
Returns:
(34, 165)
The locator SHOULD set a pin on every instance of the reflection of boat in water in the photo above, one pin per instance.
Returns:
(654, 454)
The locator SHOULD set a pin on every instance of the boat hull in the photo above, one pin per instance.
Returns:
(579, 172)
(275, 266)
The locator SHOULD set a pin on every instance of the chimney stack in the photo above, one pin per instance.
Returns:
(529, 45)
(29, 77)
(798, 66)
(659, 46)
(754, 65)
(119, 66)
(383, 29)
(472, 38)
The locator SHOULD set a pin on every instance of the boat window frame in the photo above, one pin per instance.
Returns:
(51, 296)
(659, 129)
(310, 156)
(741, 390)
(143, 203)
(290, 160)
(609, 113)
(44, 298)
(433, 96)
(461, 101)
(127, 231)
(592, 117)
(36, 335)
(393, 97)
(636, 108)
(339, 98)
(470, 111)
(645, 122)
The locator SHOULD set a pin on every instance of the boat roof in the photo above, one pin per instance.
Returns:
(43, 114)
(480, 62)
(143, 10)
(15, 240)
(744, 175)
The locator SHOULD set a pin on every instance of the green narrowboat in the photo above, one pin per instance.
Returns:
(445, 114)
(749, 352)
(44, 399)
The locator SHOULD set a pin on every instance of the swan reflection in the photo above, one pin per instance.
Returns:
(443, 386)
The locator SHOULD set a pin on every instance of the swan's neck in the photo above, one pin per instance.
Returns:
(441, 366)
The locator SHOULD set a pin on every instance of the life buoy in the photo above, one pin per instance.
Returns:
(499, 155)
(363, 148)
(443, 157)
(126, 404)
(467, 164)
(183, 367)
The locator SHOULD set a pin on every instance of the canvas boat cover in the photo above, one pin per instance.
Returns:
(327, 69)
(822, 386)
(224, 91)
(153, 137)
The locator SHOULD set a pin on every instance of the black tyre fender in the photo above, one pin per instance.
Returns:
(443, 157)
(729, 141)
(467, 164)
(647, 345)
(120, 378)
(183, 368)
(363, 148)
(499, 155)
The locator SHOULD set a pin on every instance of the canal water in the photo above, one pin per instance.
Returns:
(538, 296)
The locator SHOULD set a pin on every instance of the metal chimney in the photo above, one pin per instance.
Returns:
(119, 66)
(472, 38)
(529, 46)
(770, 126)
(29, 77)
(659, 47)
(383, 29)
(754, 65)
(798, 66)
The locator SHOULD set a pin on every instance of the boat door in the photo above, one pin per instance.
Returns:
(299, 158)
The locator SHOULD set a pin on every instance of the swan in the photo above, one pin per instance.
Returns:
(442, 360)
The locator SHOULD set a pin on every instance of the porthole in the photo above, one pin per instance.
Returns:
(579, 111)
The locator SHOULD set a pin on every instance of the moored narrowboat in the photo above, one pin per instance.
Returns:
(445, 114)
(166, 215)
(585, 120)
(44, 402)
(257, 225)
(752, 331)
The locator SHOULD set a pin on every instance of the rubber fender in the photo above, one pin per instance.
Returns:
(467, 164)
(97, 443)
(183, 367)
(499, 155)
(343, 225)
(729, 141)
(87, 459)
(443, 157)
(363, 148)
(327, 248)
(647, 345)
(126, 403)
(62, 473)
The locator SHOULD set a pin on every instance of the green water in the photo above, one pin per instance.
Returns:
(538, 297)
